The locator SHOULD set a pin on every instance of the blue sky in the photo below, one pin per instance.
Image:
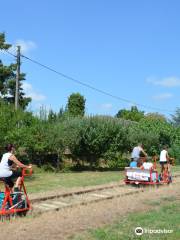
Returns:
(128, 48)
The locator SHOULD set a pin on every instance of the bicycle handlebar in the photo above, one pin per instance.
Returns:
(27, 171)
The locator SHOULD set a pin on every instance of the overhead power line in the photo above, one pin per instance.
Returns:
(6, 51)
(90, 86)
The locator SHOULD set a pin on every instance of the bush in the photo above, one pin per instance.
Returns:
(174, 152)
(89, 139)
(115, 160)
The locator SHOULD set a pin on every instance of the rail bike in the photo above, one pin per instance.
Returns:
(15, 203)
(139, 176)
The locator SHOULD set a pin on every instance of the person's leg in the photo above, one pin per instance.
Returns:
(169, 168)
(18, 183)
(18, 175)
(169, 172)
(9, 183)
(165, 172)
(162, 169)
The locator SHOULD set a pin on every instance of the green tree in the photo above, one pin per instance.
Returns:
(8, 79)
(76, 105)
(156, 116)
(60, 113)
(3, 44)
(52, 116)
(134, 114)
(176, 117)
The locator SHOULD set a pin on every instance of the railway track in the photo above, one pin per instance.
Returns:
(83, 197)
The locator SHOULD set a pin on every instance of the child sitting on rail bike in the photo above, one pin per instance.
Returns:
(7, 163)
(147, 165)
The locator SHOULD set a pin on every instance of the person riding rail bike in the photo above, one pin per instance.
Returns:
(164, 161)
(136, 155)
(6, 171)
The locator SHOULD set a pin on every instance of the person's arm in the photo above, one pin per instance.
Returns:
(141, 167)
(167, 157)
(16, 161)
(142, 150)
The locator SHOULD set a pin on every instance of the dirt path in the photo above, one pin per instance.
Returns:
(67, 222)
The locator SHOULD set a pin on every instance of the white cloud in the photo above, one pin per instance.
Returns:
(26, 46)
(36, 96)
(27, 86)
(163, 96)
(30, 92)
(165, 82)
(106, 106)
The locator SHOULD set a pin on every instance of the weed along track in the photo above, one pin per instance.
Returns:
(84, 197)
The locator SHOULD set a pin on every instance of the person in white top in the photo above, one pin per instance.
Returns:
(164, 159)
(7, 162)
(147, 165)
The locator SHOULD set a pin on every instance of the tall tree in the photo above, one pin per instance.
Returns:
(61, 112)
(176, 117)
(8, 80)
(52, 116)
(134, 114)
(156, 116)
(76, 105)
(3, 44)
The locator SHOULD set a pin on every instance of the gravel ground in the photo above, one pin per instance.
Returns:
(67, 222)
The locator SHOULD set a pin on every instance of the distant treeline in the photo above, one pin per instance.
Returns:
(55, 142)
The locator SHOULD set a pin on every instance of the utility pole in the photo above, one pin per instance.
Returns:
(17, 77)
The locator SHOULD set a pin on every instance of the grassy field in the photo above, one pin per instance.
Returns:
(45, 181)
(165, 218)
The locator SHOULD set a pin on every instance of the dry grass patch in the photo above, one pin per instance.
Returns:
(71, 221)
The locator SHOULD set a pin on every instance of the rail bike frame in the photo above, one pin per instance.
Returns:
(145, 177)
(22, 203)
